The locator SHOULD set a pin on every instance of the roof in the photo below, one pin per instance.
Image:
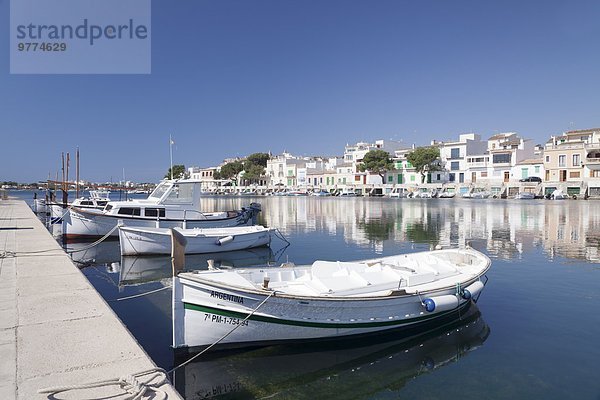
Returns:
(531, 161)
(579, 132)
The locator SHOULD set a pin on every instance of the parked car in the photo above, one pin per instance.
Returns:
(531, 179)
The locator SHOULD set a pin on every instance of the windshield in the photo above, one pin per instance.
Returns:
(160, 190)
(181, 193)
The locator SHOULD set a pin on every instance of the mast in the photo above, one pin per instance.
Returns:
(77, 173)
(171, 153)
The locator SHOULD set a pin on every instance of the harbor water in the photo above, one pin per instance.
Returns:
(532, 334)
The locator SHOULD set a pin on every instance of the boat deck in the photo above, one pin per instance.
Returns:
(410, 273)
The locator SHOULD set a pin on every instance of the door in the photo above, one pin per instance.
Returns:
(563, 175)
(506, 176)
(461, 178)
(474, 177)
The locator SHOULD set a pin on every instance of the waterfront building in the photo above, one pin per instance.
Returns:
(355, 153)
(573, 160)
(505, 151)
(532, 167)
(205, 176)
(404, 172)
(463, 160)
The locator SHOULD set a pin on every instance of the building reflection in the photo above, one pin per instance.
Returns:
(504, 228)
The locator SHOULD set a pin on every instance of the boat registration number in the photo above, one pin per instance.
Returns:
(219, 319)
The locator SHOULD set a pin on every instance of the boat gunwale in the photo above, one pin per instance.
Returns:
(138, 217)
(398, 293)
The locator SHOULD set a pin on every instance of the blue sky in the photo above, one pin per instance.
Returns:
(231, 78)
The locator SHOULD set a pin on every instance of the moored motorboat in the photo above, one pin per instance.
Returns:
(174, 203)
(146, 241)
(525, 196)
(97, 200)
(324, 300)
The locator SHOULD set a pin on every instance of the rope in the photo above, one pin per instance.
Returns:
(280, 236)
(130, 384)
(97, 242)
(224, 336)
(141, 294)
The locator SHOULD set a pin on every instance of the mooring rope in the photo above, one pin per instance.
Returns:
(130, 384)
(224, 336)
(281, 236)
(141, 294)
(97, 242)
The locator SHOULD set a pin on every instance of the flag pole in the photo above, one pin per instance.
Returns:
(171, 153)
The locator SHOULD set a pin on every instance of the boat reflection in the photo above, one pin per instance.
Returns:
(85, 253)
(143, 269)
(358, 368)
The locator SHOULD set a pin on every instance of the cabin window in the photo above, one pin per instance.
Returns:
(129, 211)
(181, 193)
(86, 203)
(154, 212)
(102, 203)
(160, 190)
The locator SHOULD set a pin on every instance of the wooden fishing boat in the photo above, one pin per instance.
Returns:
(145, 241)
(325, 300)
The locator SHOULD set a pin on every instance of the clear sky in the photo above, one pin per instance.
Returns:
(230, 78)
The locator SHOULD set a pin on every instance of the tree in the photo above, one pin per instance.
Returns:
(254, 166)
(178, 172)
(230, 170)
(425, 159)
(258, 159)
(377, 162)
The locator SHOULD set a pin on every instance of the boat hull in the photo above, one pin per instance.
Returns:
(204, 314)
(136, 241)
(83, 224)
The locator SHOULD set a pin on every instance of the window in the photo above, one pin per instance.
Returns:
(129, 211)
(408, 165)
(181, 193)
(412, 178)
(154, 212)
(501, 158)
(562, 160)
(455, 153)
(574, 174)
(454, 166)
(451, 177)
(484, 174)
(537, 169)
(390, 178)
(576, 160)
(547, 159)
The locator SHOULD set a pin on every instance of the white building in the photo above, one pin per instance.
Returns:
(456, 157)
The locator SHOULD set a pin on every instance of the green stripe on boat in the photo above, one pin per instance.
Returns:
(261, 318)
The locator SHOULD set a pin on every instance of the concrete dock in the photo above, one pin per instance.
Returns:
(55, 328)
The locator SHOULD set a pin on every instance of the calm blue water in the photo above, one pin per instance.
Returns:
(534, 335)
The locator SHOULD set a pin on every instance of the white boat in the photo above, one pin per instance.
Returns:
(480, 194)
(174, 203)
(321, 193)
(146, 241)
(524, 196)
(97, 200)
(297, 193)
(398, 193)
(558, 195)
(39, 206)
(324, 300)
(347, 193)
(446, 195)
